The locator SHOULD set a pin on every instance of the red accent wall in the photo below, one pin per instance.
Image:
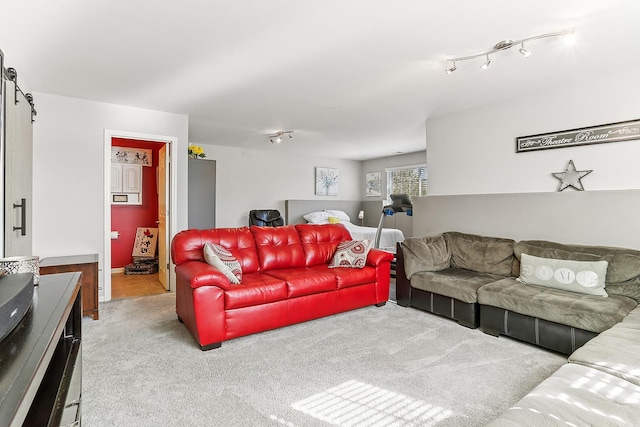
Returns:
(127, 218)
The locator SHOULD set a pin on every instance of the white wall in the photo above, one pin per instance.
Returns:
(68, 170)
(473, 152)
(264, 179)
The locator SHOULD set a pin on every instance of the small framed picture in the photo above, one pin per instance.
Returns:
(326, 181)
(372, 184)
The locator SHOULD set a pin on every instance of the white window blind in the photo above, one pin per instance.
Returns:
(411, 180)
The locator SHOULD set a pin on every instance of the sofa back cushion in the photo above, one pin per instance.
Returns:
(624, 264)
(425, 254)
(188, 245)
(278, 247)
(483, 254)
(623, 271)
(320, 242)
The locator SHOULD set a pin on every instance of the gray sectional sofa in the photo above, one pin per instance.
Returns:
(479, 281)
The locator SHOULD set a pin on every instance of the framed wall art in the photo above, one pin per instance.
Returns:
(372, 183)
(326, 181)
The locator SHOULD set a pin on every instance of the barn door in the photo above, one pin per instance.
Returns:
(18, 168)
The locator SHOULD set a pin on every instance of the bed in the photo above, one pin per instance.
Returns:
(388, 237)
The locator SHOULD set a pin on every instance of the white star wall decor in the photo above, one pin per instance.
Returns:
(571, 177)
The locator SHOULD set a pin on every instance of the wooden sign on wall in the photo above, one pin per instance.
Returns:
(612, 132)
(135, 156)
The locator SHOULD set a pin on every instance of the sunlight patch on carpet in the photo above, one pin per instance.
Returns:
(355, 403)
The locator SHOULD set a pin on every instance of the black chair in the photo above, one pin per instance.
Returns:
(265, 218)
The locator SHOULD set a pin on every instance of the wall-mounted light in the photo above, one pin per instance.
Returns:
(277, 137)
(567, 38)
(361, 217)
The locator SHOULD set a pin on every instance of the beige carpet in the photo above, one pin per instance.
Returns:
(388, 366)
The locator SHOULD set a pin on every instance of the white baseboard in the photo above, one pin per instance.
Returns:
(117, 270)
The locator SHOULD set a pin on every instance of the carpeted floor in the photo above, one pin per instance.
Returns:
(388, 366)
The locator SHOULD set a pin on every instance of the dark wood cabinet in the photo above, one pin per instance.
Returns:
(88, 266)
(41, 361)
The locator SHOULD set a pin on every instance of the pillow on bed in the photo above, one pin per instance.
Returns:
(334, 220)
(339, 214)
(317, 217)
(351, 254)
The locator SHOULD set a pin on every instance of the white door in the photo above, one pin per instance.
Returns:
(163, 192)
(18, 164)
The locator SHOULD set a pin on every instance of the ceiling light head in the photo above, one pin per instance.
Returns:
(568, 39)
(486, 64)
(525, 52)
(451, 69)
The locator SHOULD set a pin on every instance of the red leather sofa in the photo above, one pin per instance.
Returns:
(285, 280)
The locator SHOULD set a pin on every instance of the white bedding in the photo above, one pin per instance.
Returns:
(388, 237)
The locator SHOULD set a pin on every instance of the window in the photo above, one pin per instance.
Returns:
(411, 180)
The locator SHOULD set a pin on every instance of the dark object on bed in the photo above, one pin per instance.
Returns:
(266, 218)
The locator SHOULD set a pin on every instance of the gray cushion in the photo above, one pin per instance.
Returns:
(481, 253)
(615, 351)
(425, 254)
(630, 288)
(576, 395)
(588, 312)
(585, 277)
(455, 283)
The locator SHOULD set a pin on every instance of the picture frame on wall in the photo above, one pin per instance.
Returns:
(372, 184)
(326, 181)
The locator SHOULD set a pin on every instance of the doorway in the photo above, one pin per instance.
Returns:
(153, 210)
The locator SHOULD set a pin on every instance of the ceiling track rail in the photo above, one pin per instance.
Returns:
(12, 75)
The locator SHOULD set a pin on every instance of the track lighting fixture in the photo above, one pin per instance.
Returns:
(507, 44)
(276, 138)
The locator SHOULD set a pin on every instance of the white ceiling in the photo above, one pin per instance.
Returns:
(354, 79)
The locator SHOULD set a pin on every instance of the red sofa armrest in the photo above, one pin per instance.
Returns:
(377, 257)
(198, 273)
